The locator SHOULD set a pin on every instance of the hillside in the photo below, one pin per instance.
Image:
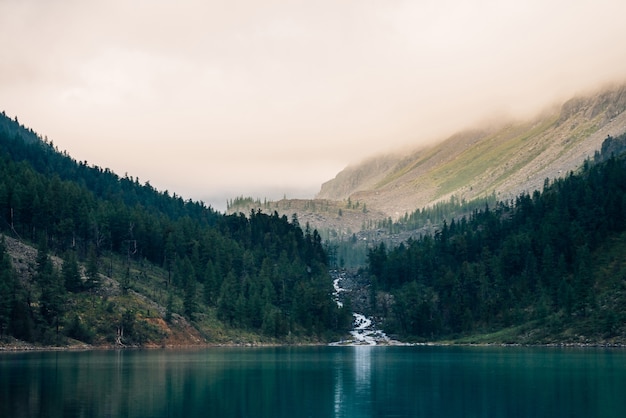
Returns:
(89, 317)
(97, 258)
(338, 217)
(507, 159)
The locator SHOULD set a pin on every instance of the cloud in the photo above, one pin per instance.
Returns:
(216, 97)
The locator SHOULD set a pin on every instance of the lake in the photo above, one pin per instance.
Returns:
(316, 382)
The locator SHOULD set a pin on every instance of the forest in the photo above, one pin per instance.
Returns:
(257, 272)
(553, 260)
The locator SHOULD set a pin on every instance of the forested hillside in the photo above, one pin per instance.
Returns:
(87, 256)
(120, 242)
(547, 267)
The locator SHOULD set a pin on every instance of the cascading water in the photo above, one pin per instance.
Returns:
(363, 331)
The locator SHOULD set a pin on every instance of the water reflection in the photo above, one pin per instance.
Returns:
(353, 382)
(363, 368)
(344, 382)
(339, 392)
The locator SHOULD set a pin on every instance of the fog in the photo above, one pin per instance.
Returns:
(212, 99)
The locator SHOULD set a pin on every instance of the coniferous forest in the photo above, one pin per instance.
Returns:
(261, 273)
(546, 267)
(550, 262)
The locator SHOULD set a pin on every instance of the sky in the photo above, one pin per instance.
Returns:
(216, 99)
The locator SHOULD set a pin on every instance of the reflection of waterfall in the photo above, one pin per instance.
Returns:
(353, 383)
(363, 369)
(338, 392)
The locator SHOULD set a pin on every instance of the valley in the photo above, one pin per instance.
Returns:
(417, 247)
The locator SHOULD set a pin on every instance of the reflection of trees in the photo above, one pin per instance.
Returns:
(163, 383)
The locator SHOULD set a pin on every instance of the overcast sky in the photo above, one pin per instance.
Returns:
(214, 99)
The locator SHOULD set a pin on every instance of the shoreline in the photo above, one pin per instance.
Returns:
(25, 348)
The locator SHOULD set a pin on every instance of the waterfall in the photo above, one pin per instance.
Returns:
(363, 331)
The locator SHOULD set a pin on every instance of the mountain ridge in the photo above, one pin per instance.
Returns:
(509, 158)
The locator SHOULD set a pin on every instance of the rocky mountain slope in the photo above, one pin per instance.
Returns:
(507, 159)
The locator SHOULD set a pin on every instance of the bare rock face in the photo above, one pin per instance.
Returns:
(363, 176)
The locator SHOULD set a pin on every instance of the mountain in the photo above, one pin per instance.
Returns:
(400, 195)
(505, 158)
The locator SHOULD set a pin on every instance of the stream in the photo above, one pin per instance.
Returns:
(364, 331)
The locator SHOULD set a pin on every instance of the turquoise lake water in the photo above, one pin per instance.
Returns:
(316, 382)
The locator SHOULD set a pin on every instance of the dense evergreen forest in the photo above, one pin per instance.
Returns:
(262, 273)
(553, 260)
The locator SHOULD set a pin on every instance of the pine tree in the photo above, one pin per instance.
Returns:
(7, 293)
(211, 289)
(229, 292)
(583, 281)
(71, 273)
(53, 294)
(92, 271)
(185, 276)
(169, 310)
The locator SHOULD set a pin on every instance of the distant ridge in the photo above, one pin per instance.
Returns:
(508, 159)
